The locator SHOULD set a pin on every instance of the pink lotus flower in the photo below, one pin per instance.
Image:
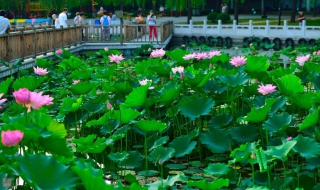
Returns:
(2, 100)
(76, 81)
(59, 52)
(266, 89)
(200, 56)
(213, 53)
(250, 44)
(30, 100)
(40, 71)
(318, 52)
(238, 61)
(289, 138)
(109, 106)
(157, 53)
(149, 49)
(302, 59)
(314, 53)
(177, 69)
(11, 138)
(189, 56)
(106, 49)
(116, 58)
(210, 66)
(145, 82)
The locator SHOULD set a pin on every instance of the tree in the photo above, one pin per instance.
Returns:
(293, 11)
(314, 7)
(182, 4)
(236, 8)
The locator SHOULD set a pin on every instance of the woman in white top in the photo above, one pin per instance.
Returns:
(56, 21)
(151, 19)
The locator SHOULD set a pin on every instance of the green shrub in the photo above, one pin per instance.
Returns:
(224, 17)
(212, 16)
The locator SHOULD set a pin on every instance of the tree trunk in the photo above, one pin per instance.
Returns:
(263, 9)
(218, 6)
(300, 5)
(293, 11)
(314, 7)
(236, 11)
(24, 8)
(189, 11)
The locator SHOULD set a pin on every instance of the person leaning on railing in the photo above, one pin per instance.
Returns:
(80, 22)
(4, 22)
(301, 18)
(139, 20)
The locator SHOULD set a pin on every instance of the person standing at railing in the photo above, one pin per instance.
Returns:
(80, 22)
(139, 20)
(55, 21)
(63, 19)
(4, 22)
(105, 23)
(161, 10)
(152, 20)
(301, 18)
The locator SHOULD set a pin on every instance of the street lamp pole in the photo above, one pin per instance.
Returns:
(279, 20)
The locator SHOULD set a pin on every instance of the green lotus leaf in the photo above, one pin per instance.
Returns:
(149, 172)
(220, 120)
(205, 185)
(29, 82)
(279, 104)
(310, 120)
(144, 67)
(40, 118)
(304, 101)
(252, 89)
(176, 166)
(214, 87)
(172, 111)
(195, 106)
(109, 126)
(257, 64)
(118, 156)
(124, 87)
(151, 125)
(161, 68)
(137, 97)
(4, 86)
(43, 63)
(244, 133)
(261, 159)
(277, 123)
(217, 140)
(312, 67)
(280, 152)
(289, 84)
(216, 169)
(134, 160)
(57, 129)
(169, 95)
(92, 144)
(280, 183)
(159, 142)
(196, 78)
(306, 147)
(316, 82)
(258, 188)
(70, 105)
(105, 72)
(101, 121)
(177, 55)
(82, 88)
(92, 178)
(234, 80)
(44, 172)
(280, 71)
(134, 186)
(73, 63)
(313, 163)
(182, 145)
(257, 115)
(161, 154)
(165, 183)
(94, 108)
(243, 152)
(81, 74)
(125, 115)
(56, 146)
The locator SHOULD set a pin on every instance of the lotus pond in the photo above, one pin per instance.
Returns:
(172, 120)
